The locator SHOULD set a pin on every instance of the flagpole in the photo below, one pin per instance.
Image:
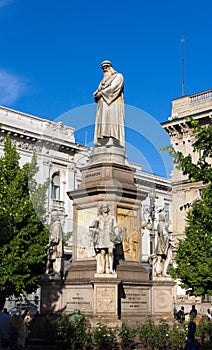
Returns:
(183, 83)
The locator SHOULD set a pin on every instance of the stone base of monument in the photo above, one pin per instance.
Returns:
(105, 275)
(128, 294)
(105, 306)
(163, 299)
(129, 271)
(110, 300)
(112, 154)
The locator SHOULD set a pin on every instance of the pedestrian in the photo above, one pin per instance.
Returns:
(5, 330)
(209, 316)
(19, 332)
(180, 315)
(193, 313)
(192, 344)
(5, 311)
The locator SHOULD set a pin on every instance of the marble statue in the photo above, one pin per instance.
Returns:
(104, 234)
(55, 247)
(163, 235)
(163, 251)
(109, 126)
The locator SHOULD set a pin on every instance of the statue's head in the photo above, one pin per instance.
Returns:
(54, 215)
(107, 67)
(104, 208)
(106, 64)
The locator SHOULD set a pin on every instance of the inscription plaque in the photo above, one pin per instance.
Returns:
(79, 298)
(137, 300)
(105, 297)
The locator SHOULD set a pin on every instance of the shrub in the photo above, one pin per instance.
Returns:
(104, 337)
(177, 337)
(74, 332)
(154, 336)
(127, 335)
(204, 331)
(161, 336)
(44, 329)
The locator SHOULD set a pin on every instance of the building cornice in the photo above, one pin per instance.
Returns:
(33, 129)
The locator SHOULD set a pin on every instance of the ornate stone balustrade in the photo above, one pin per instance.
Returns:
(188, 105)
(201, 96)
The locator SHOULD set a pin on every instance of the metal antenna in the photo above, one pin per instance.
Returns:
(183, 41)
(86, 137)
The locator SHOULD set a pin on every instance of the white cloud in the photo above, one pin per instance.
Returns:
(4, 3)
(11, 87)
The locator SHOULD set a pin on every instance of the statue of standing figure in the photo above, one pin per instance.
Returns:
(109, 126)
(163, 235)
(55, 247)
(163, 251)
(104, 234)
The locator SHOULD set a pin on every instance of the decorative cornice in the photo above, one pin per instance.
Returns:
(27, 127)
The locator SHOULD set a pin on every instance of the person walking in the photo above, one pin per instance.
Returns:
(5, 330)
(193, 313)
(192, 344)
(180, 315)
(209, 316)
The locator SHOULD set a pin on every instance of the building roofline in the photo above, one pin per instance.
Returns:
(196, 93)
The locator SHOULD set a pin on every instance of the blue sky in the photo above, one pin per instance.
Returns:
(51, 52)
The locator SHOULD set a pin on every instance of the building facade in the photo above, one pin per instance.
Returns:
(199, 107)
(180, 130)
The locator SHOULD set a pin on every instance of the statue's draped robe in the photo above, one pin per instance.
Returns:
(110, 110)
(104, 231)
(163, 237)
(56, 239)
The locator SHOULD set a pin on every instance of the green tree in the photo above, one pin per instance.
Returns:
(194, 255)
(23, 236)
(202, 170)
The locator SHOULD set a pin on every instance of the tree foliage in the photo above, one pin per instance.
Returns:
(201, 171)
(194, 255)
(23, 237)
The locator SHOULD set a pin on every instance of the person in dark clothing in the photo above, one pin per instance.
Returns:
(180, 315)
(5, 330)
(193, 313)
(192, 344)
(209, 316)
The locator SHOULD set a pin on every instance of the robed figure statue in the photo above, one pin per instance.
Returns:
(109, 126)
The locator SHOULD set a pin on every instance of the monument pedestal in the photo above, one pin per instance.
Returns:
(129, 293)
(163, 298)
(106, 298)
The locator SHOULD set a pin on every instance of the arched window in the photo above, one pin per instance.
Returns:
(55, 193)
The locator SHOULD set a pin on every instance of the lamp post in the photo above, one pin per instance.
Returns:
(149, 222)
(152, 196)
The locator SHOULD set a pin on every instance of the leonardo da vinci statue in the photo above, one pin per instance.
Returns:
(109, 126)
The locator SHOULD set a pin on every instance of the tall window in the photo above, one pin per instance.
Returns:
(55, 193)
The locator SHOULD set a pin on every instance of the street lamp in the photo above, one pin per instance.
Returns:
(148, 223)
(152, 196)
(150, 210)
